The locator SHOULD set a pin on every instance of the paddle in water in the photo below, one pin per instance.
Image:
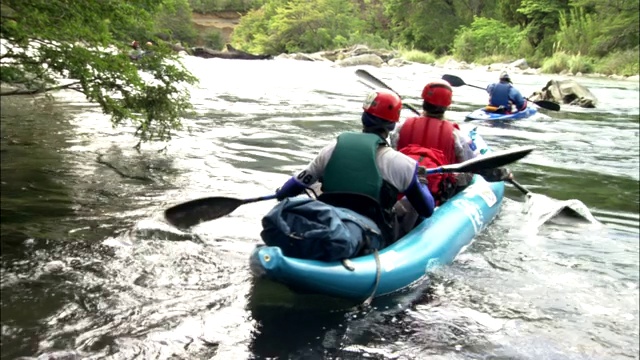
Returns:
(456, 81)
(193, 212)
(196, 211)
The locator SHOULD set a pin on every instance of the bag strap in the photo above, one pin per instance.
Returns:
(368, 301)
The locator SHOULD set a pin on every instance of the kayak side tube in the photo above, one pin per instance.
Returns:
(436, 241)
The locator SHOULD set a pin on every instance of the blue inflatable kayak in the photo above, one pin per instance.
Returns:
(435, 241)
(483, 114)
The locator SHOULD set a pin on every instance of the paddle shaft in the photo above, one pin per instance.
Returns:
(518, 186)
(370, 79)
(261, 198)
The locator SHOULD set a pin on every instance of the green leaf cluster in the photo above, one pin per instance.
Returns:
(300, 26)
(487, 37)
(47, 41)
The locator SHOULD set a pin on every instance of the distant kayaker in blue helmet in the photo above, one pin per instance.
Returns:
(361, 172)
(503, 96)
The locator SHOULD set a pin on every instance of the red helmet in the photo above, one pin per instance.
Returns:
(438, 93)
(384, 104)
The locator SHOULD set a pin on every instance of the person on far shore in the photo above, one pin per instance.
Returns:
(136, 51)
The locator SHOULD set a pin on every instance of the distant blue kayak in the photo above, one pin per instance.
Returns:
(435, 241)
(482, 114)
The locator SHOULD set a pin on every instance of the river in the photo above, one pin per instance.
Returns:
(90, 270)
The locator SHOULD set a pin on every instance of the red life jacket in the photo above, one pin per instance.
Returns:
(430, 133)
(441, 185)
(431, 142)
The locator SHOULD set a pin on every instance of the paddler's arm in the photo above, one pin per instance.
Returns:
(307, 177)
(290, 188)
(419, 196)
(518, 100)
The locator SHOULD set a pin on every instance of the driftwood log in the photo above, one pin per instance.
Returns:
(231, 53)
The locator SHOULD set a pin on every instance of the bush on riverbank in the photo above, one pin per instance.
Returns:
(623, 63)
(562, 61)
(418, 56)
(487, 38)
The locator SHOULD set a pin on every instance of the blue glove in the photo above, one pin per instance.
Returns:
(291, 188)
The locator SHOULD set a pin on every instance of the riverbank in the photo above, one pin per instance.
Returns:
(361, 55)
(226, 21)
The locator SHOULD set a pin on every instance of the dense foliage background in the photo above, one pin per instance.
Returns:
(577, 35)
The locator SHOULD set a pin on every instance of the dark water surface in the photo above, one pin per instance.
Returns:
(90, 270)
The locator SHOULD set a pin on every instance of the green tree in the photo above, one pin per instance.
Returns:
(427, 25)
(508, 12)
(486, 37)
(617, 22)
(297, 26)
(88, 42)
(542, 19)
(174, 21)
(252, 33)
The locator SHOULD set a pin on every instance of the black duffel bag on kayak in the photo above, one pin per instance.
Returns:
(306, 228)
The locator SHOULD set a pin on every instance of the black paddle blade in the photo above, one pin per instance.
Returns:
(491, 160)
(193, 212)
(365, 75)
(453, 80)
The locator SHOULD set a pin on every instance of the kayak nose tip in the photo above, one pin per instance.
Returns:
(264, 258)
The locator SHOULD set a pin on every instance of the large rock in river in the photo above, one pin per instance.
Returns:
(566, 92)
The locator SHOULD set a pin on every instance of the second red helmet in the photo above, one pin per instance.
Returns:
(384, 104)
(438, 93)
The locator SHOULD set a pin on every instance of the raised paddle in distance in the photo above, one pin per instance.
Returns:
(368, 78)
(193, 212)
(456, 81)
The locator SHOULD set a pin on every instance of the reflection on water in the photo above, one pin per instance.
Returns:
(90, 270)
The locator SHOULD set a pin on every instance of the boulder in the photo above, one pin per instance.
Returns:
(566, 92)
(397, 62)
(519, 64)
(359, 60)
(295, 56)
(454, 65)
(635, 78)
